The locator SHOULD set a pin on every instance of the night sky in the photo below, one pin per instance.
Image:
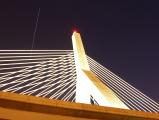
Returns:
(121, 35)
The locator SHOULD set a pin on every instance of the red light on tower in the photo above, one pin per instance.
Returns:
(75, 30)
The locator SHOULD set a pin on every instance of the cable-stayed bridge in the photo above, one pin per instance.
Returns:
(70, 75)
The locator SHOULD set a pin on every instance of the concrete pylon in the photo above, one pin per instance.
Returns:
(82, 88)
(88, 84)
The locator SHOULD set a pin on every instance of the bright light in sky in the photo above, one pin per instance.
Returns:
(75, 29)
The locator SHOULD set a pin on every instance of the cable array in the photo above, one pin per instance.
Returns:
(42, 73)
(132, 97)
(52, 74)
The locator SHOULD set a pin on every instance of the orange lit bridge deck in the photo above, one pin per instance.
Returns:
(22, 107)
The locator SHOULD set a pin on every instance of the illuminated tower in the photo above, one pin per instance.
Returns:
(88, 83)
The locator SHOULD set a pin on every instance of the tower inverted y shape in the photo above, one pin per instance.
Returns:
(88, 84)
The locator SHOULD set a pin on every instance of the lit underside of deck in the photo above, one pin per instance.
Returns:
(22, 107)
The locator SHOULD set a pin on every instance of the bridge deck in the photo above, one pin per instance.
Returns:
(16, 106)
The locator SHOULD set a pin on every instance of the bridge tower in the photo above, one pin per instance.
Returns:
(88, 83)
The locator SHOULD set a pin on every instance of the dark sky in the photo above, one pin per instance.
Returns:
(121, 35)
